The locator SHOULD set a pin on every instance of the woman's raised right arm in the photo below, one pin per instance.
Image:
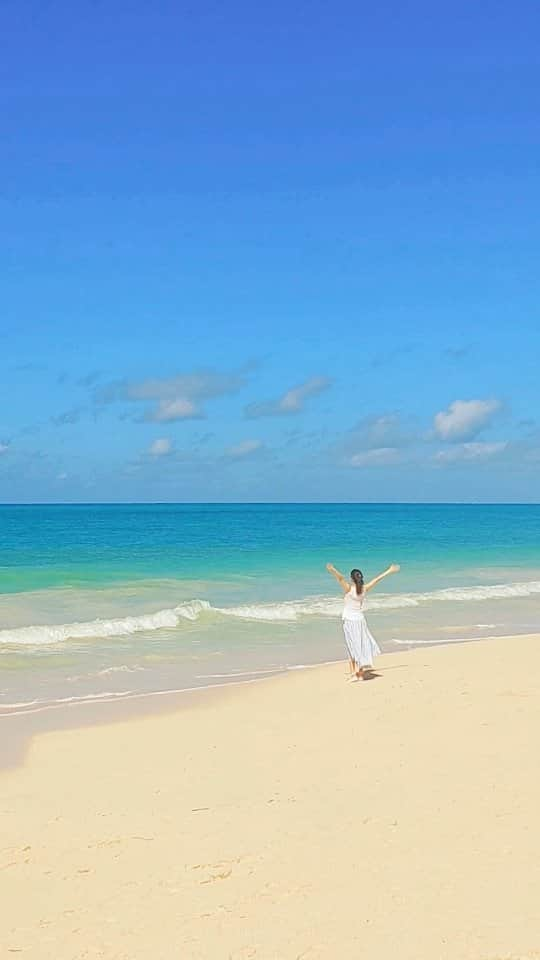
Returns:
(339, 577)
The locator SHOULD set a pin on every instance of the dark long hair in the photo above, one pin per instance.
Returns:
(358, 579)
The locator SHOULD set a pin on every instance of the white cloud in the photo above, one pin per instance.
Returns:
(178, 409)
(375, 441)
(381, 426)
(376, 457)
(160, 447)
(4, 447)
(475, 452)
(293, 401)
(245, 448)
(62, 476)
(173, 398)
(383, 431)
(464, 419)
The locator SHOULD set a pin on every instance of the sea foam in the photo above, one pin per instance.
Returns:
(286, 611)
(121, 627)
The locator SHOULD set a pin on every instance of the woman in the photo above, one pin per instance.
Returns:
(360, 644)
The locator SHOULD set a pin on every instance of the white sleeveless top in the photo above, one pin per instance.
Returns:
(352, 605)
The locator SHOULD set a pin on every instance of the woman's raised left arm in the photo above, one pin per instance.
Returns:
(393, 568)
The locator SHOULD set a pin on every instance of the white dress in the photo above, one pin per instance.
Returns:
(360, 644)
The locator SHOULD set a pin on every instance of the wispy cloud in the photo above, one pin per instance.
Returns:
(68, 417)
(167, 411)
(464, 419)
(457, 354)
(382, 431)
(4, 447)
(375, 441)
(244, 449)
(170, 399)
(473, 452)
(28, 367)
(376, 457)
(291, 402)
(89, 380)
(386, 357)
(160, 447)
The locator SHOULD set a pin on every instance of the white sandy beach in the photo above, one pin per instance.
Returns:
(301, 817)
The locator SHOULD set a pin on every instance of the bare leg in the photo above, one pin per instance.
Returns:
(358, 670)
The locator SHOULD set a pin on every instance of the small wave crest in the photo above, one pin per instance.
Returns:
(286, 611)
(123, 626)
(497, 591)
(290, 610)
(435, 643)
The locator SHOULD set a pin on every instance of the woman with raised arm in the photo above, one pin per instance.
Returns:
(360, 644)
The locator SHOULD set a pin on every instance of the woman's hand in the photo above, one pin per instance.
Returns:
(330, 568)
(394, 568)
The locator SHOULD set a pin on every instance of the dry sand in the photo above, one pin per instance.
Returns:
(301, 817)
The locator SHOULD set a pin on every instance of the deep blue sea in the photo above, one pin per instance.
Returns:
(104, 601)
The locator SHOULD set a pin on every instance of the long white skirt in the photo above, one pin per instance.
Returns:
(360, 644)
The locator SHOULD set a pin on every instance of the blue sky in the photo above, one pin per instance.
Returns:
(269, 253)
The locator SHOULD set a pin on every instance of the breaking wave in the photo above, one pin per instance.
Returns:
(286, 612)
(92, 629)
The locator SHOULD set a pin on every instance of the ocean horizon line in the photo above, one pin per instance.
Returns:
(270, 503)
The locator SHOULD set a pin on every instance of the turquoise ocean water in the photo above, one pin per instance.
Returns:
(106, 601)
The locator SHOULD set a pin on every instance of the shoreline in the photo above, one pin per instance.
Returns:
(102, 710)
(306, 817)
(43, 706)
(74, 714)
